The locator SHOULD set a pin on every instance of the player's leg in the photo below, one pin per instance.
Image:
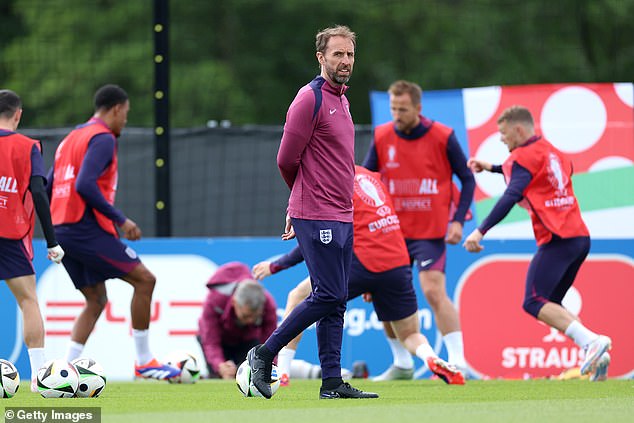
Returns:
(24, 291)
(430, 260)
(393, 297)
(395, 302)
(143, 282)
(147, 366)
(408, 332)
(17, 270)
(433, 285)
(92, 287)
(96, 299)
(551, 273)
(402, 362)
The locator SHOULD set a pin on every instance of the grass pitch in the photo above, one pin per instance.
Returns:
(401, 401)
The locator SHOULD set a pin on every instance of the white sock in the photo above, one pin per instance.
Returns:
(37, 359)
(402, 358)
(581, 335)
(142, 344)
(284, 359)
(74, 351)
(424, 351)
(301, 369)
(455, 349)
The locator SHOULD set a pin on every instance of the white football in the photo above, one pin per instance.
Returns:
(246, 388)
(57, 379)
(92, 378)
(9, 379)
(187, 364)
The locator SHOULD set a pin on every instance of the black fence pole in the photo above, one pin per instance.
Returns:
(161, 119)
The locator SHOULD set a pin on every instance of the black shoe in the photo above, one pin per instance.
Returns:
(345, 391)
(260, 373)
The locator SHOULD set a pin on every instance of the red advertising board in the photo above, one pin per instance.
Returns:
(503, 341)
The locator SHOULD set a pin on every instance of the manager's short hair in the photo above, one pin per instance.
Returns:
(323, 36)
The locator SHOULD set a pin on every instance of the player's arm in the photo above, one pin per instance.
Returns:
(49, 183)
(98, 157)
(371, 161)
(477, 166)
(42, 206)
(520, 179)
(289, 259)
(266, 268)
(298, 130)
(458, 163)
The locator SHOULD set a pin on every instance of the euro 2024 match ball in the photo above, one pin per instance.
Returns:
(9, 379)
(246, 387)
(57, 379)
(187, 364)
(92, 378)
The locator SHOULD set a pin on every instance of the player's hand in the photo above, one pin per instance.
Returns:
(289, 232)
(261, 270)
(454, 233)
(55, 254)
(472, 243)
(477, 166)
(367, 297)
(130, 230)
(227, 369)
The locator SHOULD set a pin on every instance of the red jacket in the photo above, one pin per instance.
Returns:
(217, 326)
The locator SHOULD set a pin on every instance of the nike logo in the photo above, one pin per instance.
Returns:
(425, 263)
(332, 111)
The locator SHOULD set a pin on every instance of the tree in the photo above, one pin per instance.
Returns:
(243, 60)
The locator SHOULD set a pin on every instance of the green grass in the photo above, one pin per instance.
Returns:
(403, 401)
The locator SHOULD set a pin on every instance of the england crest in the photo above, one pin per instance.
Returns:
(325, 235)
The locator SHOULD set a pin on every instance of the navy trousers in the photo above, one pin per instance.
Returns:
(327, 249)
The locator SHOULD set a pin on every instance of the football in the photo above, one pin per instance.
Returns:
(187, 364)
(9, 379)
(57, 379)
(92, 379)
(246, 388)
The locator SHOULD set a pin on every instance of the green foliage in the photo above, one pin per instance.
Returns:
(244, 60)
(70, 48)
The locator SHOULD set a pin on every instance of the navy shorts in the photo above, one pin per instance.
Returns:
(92, 256)
(552, 271)
(15, 260)
(392, 292)
(428, 254)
